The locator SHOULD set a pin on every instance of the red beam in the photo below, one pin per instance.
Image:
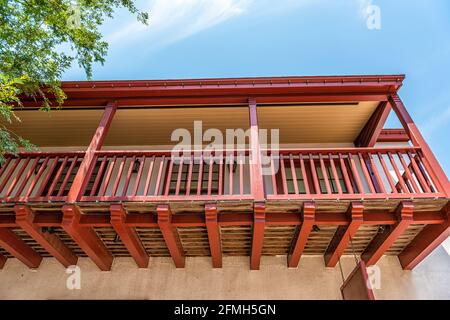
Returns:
(259, 221)
(344, 234)
(393, 135)
(299, 243)
(50, 242)
(128, 235)
(425, 242)
(256, 176)
(213, 235)
(19, 249)
(86, 238)
(418, 140)
(88, 163)
(2, 261)
(170, 234)
(371, 131)
(383, 241)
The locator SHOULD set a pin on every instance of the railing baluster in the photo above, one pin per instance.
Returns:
(241, 175)
(149, 175)
(428, 171)
(104, 188)
(4, 166)
(283, 175)
(408, 173)
(325, 174)
(293, 173)
(180, 172)
(387, 173)
(355, 174)
(10, 172)
(376, 173)
(137, 180)
(335, 175)
(169, 177)
(37, 177)
(200, 176)
(347, 181)
(47, 178)
(58, 175)
(118, 176)
(189, 178)
(273, 175)
(397, 172)
(158, 179)
(98, 177)
(210, 173)
(220, 186)
(17, 177)
(314, 174)
(304, 175)
(27, 177)
(366, 173)
(230, 174)
(419, 174)
(128, 178)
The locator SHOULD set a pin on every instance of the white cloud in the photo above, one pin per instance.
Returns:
(173, 20)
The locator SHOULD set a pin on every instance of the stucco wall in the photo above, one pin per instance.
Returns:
(430, 280)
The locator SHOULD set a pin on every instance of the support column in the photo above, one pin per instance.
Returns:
(299, 243)
(344, 234)
(213, 235)
(88, 163)
(2, 261)
(371, 131)
(49, 241)
(259, 222)
(19, 249)
(418, 140)
(383, 241)
(426, 242)
(86, 238)
(128, 235)
(256, 177)
(170, 234)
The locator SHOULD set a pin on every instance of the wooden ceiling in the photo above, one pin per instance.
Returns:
(318, 123)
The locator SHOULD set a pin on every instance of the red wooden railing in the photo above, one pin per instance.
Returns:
(38, 176)
(351, 173)
(147, 176)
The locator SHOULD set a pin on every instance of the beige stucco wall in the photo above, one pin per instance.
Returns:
(430, 280)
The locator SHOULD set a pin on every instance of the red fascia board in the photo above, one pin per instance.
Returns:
(393, 135)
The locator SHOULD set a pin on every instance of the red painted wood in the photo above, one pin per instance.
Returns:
(67, 177)
(118, 177)
(345, 174)
(357, 285)
(383, 241)
(19, 249)
(128, 235)
(99, 176)
(255, 167)
(304, 175)
(221, 180)
(149, 176)
(325, 174)
(314, 174)
(168, 177)
(378, 181)
(259, 221)
(230, 174)
(189, 177)
(2, 261)
(366, 173)
(139, 177)
(180, 172)
(355, 174)
(393, 135)
(9, 173)
(371, 131)
(37, 177)
(212, 228)
(57, 176)
(89, 160)
(387, 173)
(283, 175)
(50, 242)
(426, 242)
(128, 176)
(86, 238)
(335, 175)
(412, 182)
(27, 177)
(105, 183)
(17, 177)
(404, 188)
(170, 234)
(344, 234)
(200, 176)
(293, 173)
(299, 243)
(48, 176)
(159, 178)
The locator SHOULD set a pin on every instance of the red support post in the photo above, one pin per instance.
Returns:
(259, 222)
(426, 242)
(212, 227)
(170, 234)
(299, 243)
(344, 234)
(371, 131)
(88, 163)
(418, 140)
(49, 241)
(256, 176)
(128, 235)
(2, 261)
(86, 238)
(18, 248)
(384, 240)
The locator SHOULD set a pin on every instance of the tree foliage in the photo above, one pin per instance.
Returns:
(39, 40)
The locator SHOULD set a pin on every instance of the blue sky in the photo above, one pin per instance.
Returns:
(233, 38)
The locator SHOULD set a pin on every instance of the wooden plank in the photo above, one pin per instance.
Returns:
(256, 176)
(2, 261)
(19, 249)
(259, 221)
(369, 134)
(212, 227)
(170, 234)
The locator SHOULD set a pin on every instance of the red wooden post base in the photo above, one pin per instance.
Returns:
(213, 235)
(86, 238)
(19, 249)
(170, 234)
(50, 242)
(259, 222)
(309, 213)
(384, 240)
(128, 235)
(343, 235)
